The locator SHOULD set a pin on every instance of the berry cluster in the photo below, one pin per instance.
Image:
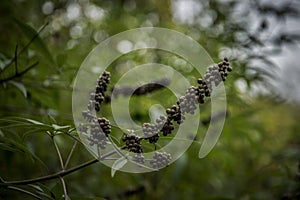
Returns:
(97, 135)
(105, 125)
(151, 132)
(214, 75)
(97, 97)
(165, 124)
(187, 103)
(139, 158)
(160, 159)
(88, 116)
(133, 143)
(99, 127)
(174, 113)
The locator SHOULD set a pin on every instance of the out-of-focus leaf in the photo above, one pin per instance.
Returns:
(51, 119)
(58, 127)
(42, 190)
(31, 131)
(3, 61)
(61, 59)
(56, 191)
(118, 164)
(6, 147)
(20, 86)
(35, 122)
(38, 43)
(16, 146)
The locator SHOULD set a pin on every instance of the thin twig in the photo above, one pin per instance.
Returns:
(58, 153)
(23, 191)
(73, 137)
(51, 176)
(25, 47)
(58, 174)
(16, 75)
(64, 187)
(70, 154)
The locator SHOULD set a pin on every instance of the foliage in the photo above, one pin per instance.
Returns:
(43, 44)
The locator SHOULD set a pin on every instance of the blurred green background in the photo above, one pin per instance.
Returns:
(257, 154)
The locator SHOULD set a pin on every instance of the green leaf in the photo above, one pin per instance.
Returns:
(51, 119)
(61, 59)
(38, 43)
(31, 131)
(13, 145)
(7, 147)
(35, 122)
(3, 61)
(20, 86)
(57, 127)
(42, 190)
(118, 164)
(56, 191)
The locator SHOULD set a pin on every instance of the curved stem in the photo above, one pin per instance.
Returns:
(64, 187)
(51, 176)
(70, 154)
(58, 174)
(59, 154)
(16, 75)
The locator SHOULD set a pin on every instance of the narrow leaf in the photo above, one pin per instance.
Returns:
(20, 86)
(57, 127)
(35, 122)
(118, 164)
(38, 43)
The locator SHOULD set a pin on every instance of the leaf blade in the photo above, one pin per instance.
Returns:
(118, 164)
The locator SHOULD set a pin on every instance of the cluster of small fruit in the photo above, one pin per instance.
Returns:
(99, 130)
(99, 127)
(159, 159)
(133, 143)
(97, 97)
(187, 103)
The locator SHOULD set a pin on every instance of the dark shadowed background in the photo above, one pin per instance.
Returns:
(257, 155)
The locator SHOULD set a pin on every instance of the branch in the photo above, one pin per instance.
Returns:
(14, 59)
(16, 75)
(58, 174)
(64, 187)
(70, 154)
(51, 176)
(58, 153)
